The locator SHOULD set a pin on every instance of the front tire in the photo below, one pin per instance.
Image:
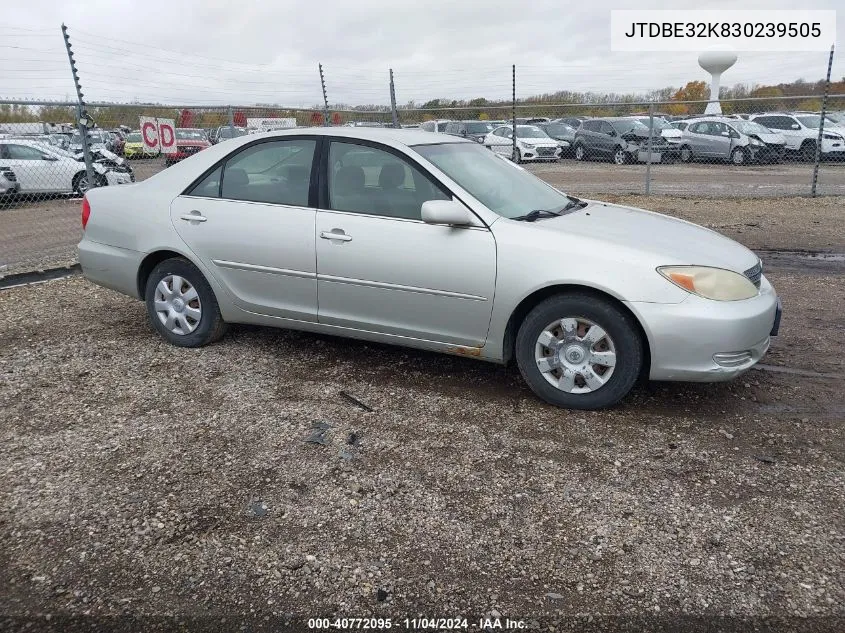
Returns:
(739, 157)
(579, 351)
(808, 151)
(620, 156)
(181, 304)
(686, 154)
(580, 152)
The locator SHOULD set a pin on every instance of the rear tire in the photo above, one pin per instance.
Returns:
(181, 304)
(686, 154)
(622, 340)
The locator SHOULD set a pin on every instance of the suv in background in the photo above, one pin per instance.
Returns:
(573, 121)
(225, 132)
(620, 140)
(474, 130)
(561, 132)
(434, 126)
(801, 132)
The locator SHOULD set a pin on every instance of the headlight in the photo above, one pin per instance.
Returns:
(564, 143)
(527, 146)
(832, 137)
(754, 141)
(717, 284)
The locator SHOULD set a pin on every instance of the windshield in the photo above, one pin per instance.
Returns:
(749, 127)
(559, 128)
(441, 127)
(190, 135)
(837, 117)
(530, 131)
(659, 124)
(630, 125)
(478, 128)
(500, 185)
(811, 120)
(134, 137)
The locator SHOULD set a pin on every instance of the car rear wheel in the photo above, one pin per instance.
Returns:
(579, 351)
(686, 154)
(181, 304)
(620, 156)
(580, 152)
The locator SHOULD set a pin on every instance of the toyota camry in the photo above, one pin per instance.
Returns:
(429, 241)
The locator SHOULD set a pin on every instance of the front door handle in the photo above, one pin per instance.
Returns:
(194, 216)
(336, 234)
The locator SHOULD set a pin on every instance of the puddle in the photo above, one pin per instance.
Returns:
(813, 260)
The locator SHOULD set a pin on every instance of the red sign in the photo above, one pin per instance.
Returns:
(336, 118)
(186, 119)
(317, 118)
(239, 119)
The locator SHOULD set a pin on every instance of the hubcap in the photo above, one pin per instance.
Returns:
(739, 158)
(575, 355)
(620, 157)
(177, 304)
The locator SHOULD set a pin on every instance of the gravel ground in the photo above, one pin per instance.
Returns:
(147, 487)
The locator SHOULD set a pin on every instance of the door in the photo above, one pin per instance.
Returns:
(698, 135)
(607, 139)
(721, 142)
(37, 171)
(501, 141)
(382, 269)
(251, 223)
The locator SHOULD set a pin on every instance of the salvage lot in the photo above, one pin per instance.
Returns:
(146, 480)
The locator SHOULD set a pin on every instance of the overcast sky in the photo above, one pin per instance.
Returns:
(245, 52)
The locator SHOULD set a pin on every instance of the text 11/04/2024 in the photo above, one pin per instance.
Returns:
(418, 624)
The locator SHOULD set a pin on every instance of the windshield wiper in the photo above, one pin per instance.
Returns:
(574, 203)
(536, 214)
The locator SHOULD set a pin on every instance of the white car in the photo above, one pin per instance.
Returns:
(532, 143)
(801, 132)
(43, 168)
(438, 125)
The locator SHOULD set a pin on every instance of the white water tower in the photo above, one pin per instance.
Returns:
(715, 63)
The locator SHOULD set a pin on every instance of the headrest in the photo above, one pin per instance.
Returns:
(391, 176)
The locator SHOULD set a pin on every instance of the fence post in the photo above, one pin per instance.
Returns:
(325, 96)
(821, 126)
(649, 146)
(82, 118)
(393, 101)
(231, 121)
(513, 110)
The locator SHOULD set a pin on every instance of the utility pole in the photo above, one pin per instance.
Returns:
(82, 118)
(325, 97)
(821, 126)
(514, 154)
(393, 101)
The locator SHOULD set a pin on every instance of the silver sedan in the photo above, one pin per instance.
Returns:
(429, 241)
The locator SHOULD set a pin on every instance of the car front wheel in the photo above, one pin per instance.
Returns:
(580, 152)
(579, 351)
(738, 156)
(686, 154)
(620, 156)
(181, 304)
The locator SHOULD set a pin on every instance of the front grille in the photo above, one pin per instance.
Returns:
(755, 273)
(9, 175)
(546, 151)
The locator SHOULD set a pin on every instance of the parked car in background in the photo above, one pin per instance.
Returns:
(680, 125)
(434, 126)
(432, 242)
(40, 168)
(225, 132)
(96, 138)
(734, 140)
(622, 140)
(134, 147)
(532, 143)
(532, 120)
(671, 134)
(801, 133)
(9, 184)
(573, 121)
(189, 141)
(473, 130)
(118, 142)
(561, 132)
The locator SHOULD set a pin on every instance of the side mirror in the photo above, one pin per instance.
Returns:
(445, 212)
(726, 133)
(795, 126)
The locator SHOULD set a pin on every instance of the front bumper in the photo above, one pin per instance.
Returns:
(119, 178)
(700, 340)
(541, 153)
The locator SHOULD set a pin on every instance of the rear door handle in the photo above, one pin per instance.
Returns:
(336, 234)
(194, 216)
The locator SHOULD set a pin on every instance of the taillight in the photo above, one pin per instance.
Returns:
(86, 211)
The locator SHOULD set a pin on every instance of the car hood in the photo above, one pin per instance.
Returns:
(771, 138)
(665, 240)
(537, 141)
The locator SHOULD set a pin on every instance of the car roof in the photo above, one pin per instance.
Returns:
(404, 136)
